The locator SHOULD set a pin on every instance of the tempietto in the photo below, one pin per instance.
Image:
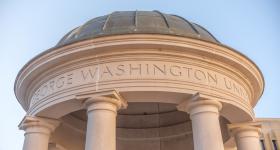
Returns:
(139, 80)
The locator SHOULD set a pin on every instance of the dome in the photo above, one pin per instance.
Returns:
(137, 22)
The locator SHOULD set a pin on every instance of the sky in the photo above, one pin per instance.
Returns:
(29, 27)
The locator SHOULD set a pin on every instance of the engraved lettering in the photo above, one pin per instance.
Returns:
(52, 83)
(199, 75)
(44, 90)
(212, 78)
(235, 88)
(106, 71)
(88, 73)
(175, 70)
(120, 69)
(227, 84)
(162, 70)
(148, 70)
(70, 78)
(138, 68)
(60, 82)
(188, 70)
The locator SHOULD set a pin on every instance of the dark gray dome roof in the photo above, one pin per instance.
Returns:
(137, 22)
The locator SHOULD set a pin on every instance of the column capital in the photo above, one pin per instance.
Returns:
(32, 124)
(244, 129)
(197, 104)
(204, 114)
(99, 102)
(246, 135)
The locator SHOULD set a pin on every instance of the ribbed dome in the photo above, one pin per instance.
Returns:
(137, 22)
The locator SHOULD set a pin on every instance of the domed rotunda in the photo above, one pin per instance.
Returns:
(139, 80)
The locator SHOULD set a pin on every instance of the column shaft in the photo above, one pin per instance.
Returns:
(247, 135)
(277, 136)
(101, 124)
(247, 139)
(101, 127)
(206, 127)
(267, 141)
(36, 139)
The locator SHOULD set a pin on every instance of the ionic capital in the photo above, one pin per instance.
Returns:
(103, 102)
(250, 129)
(196, 104)
(38, 125)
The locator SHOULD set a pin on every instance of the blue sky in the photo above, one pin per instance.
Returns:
(30, 27)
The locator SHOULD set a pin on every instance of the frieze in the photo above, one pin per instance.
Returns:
(139, 70)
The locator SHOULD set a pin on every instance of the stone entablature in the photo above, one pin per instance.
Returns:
(137, 63)
(138, 70)
(99, 74)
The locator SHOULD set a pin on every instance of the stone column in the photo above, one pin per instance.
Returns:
(277, 136)
(37, 132)
(101, 124)
(267, 140)
(205, 123)
(247, 136)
